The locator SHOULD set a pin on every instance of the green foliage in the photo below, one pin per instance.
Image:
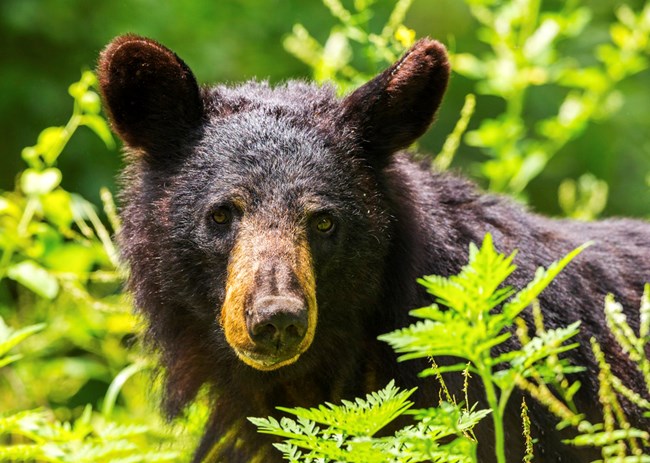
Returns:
(616, 437)
(584, 199)
(64, 265)
(51, 238)
(350, 39)
(523, 41)
(40, 437)
(10, 338)
(59, 266)
(443, 160)
(347, 432)
(88, 439)
(466, 326)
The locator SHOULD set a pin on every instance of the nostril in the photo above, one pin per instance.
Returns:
(293, 331)
(277, 322)
(264, 331)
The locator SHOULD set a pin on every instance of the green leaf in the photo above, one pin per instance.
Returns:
(601, 439)
(542, 279)
(37, 183)
(541, 40)
(550, 342)
(36, 278)
(4, 361)
(9, 207)
(57, 207)
(70, 257)
(468, 65)
(50, 143)
(90, 102)
(361, 417)
(99, 125)
(10, 338)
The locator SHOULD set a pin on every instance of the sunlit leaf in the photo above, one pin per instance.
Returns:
(99, 125)
(33, 182)
(36, 278)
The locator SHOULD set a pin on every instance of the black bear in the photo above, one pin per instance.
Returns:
(274, 233)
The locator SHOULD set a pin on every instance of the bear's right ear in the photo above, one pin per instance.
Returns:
(151, 95)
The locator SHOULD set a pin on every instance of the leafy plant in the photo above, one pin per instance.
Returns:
(347, 432)
(352, 54)
(523, 54)
(616, 437)
(583, 199)
(36, 435)
(463, 324)
(10, 338)
(38, 218)
(59, 265)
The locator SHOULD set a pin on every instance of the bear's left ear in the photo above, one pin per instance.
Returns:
(395, 108)
(151, 95)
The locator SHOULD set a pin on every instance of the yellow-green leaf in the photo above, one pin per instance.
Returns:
(34, 277)
(34, 182)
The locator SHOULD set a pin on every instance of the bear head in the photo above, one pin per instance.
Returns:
(254, 219)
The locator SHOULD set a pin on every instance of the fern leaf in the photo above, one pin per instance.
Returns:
(542, 279)
(362, 417)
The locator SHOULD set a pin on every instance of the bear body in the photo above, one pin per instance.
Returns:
(274, 233)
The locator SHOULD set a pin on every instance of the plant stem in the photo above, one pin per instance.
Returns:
(497, 415)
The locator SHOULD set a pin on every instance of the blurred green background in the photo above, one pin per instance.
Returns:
(46, 43)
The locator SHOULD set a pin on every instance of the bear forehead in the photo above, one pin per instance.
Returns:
(294, 96)
(271, 143)
(258, 158)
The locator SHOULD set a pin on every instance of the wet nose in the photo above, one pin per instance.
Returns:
(277, 323)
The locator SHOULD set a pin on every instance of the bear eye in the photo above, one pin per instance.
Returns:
(324, 223)
(222, 215)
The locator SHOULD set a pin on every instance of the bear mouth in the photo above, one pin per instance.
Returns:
(267, 362)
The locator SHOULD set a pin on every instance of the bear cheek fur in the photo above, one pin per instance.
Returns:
(253, 247)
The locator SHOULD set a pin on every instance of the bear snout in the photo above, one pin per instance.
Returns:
(277, 324)
(269, 313)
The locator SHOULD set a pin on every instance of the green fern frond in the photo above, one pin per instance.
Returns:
(22, 422)
(634, 346)
(475, 290)
(361, 418)
(549, 343)
(23, 452)
(542, 279)
(479, 314)
(345, 432)
(603, 438)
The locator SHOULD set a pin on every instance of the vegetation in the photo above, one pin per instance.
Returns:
(80, 389)
(468, 329)
(63, 262)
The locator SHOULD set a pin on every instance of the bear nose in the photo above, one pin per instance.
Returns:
(277, 323)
